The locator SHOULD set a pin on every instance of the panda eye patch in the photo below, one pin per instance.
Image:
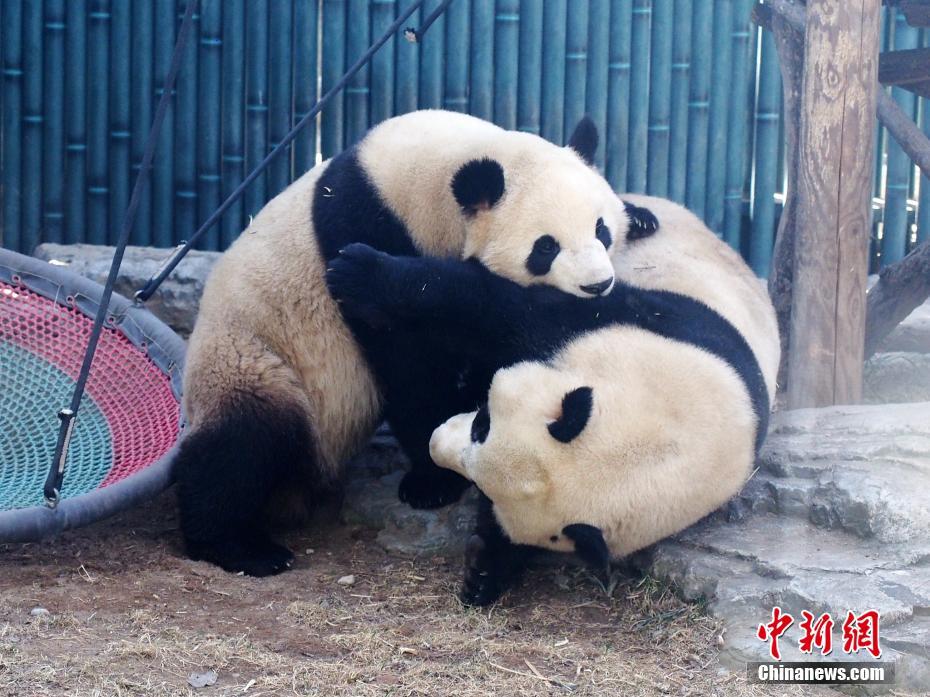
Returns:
(602, 233)
(545, 250)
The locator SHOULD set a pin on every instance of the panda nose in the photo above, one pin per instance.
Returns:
(597, 288)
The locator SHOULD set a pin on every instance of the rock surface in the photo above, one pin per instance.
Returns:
(176, 301)
(897, 376)
(836, 518)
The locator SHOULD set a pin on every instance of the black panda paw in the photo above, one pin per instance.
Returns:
(425, 490)
(485, 577)
(353, 278)
(256, 556)
(643, 222)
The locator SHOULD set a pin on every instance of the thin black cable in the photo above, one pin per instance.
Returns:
(53, 481)
(152, 284)
(415, 35)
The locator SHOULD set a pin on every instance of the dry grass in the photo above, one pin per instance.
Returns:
(130, 616)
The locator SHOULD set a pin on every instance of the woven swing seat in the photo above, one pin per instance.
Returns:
(129, 420)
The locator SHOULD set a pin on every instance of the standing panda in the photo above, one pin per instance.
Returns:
(614, 421)
(280, 389)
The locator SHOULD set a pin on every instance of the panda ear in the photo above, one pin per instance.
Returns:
(643, 222)
(584, 139)
(589, 544)
(576, 410)
(478, 185)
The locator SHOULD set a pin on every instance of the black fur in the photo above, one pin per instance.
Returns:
(589, 545)
(540, 259)
(576, 410)
(643, 222)
(227, 472)
(479, 313)
(418, 376)
(492, 562)
(602, 233)
(483, 315)
(481, 425)
(584, 139)
(478, 185)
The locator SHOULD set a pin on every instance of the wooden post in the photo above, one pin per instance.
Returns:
(834, 200)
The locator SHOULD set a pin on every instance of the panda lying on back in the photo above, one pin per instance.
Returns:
(614, 421)
(280, 389)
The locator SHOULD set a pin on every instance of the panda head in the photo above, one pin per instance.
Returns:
(539, 213)
(528, 450)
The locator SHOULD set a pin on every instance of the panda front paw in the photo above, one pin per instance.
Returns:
(486, 576)
(428, 490)
(353, 280)
(643, 222)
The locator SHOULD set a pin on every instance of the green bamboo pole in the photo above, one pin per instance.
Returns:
(120, 156)
(506, 56)
(11, 152)
(233, 88)
(896, 230)
(334, 62)
(186, 137)
(702, 22)
(720, 89)
(597, 72)
(481, 98)
(98, 40)
(660, 96)
(142, 89)
(32, 125)
(739, 115)
(555, 13)
(529, 82)
(54, 137)
(576, 64)
(305, 66)
(163, 168)
(75, 121)
(280, 32)
(357, 91)
(923, 205)
(407, 70)
(431, 57)
(618, 93)
(209, 121)
(678, 126)
(382, 63)
(768, 108)
(637, 148)
(256, 104)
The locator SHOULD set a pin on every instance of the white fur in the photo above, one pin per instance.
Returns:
(647, 464)
(268, 325)
(685, 257)
(672, 432)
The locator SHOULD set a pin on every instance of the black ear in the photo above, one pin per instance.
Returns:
(643, 222)
(576, 410)
(478, 185)
(589, 544)
(584, 139)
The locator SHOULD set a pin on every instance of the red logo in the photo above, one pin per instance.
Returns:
(816, 634)
(861, 633)
(774, 629)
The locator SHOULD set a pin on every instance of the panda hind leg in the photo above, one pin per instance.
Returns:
(492, 562)
(227, 471)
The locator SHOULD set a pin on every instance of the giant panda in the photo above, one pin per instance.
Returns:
(280, 388)
(613, 421)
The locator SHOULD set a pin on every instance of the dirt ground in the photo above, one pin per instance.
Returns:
(129, 615)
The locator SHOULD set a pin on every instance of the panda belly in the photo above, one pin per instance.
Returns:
(267, 321)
